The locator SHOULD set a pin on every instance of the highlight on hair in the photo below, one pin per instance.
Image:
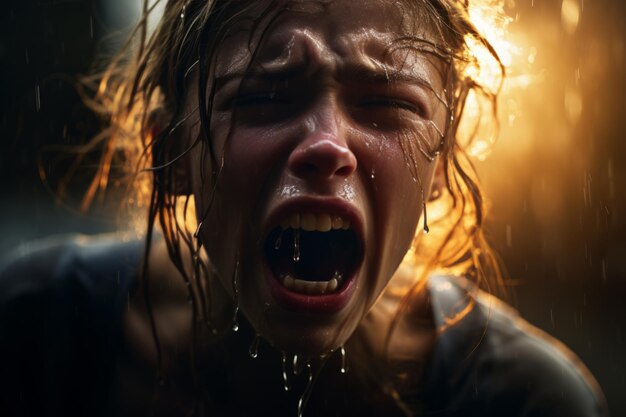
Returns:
(150, 78)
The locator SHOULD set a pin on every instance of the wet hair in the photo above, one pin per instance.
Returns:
(147, 82)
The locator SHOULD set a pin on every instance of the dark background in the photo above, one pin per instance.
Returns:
(555, 177)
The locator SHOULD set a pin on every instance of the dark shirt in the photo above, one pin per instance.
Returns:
(61, 306)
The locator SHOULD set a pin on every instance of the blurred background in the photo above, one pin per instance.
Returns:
(555, 177)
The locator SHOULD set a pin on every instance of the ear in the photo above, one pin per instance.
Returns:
(439, 180)
(169, 152)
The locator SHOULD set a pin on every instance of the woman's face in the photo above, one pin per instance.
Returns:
(324, 131)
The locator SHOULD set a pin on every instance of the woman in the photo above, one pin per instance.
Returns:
(306, 138)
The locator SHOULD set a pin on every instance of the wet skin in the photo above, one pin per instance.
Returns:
(319, 122)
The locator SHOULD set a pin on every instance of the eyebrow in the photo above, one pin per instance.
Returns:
(383, 75)
(287, 72)
(352, 72)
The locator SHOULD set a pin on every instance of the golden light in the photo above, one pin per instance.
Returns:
(570, 15)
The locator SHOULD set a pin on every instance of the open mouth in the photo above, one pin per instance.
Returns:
(313, 254)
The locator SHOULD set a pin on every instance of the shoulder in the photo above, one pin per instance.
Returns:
(61, 300)
(497, 362)
(45, 264)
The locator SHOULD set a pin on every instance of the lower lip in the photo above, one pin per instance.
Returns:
(307, 303)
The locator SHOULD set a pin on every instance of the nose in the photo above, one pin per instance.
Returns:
(324, 153)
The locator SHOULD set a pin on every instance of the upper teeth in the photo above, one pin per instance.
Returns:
(315, 222)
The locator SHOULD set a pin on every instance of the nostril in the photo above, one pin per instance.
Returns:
(306, 170)
(344, 171)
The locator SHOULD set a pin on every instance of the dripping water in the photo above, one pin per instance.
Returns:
(235, 321)
(254, 347)
(279, 240)
(285, 376)
(304, 398)
(426, 228)
(296, 245)
(344, 361)
(235, 325)
(297, 366)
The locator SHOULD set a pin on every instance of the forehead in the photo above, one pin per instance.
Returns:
(376, 34)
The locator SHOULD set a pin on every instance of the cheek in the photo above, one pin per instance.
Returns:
(397, 180)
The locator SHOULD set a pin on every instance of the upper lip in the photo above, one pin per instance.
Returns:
(316, 205)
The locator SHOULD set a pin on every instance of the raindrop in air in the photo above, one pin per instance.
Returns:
(37, 97)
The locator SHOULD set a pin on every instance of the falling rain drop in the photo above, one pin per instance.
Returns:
(285, 376)
(304, 398)
(344, 361)
(296, 245)
(91, 26)
(373, 174)
(37, 98)
(254, 347)
(182, 12)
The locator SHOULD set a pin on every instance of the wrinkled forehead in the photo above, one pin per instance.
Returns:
(380, 34)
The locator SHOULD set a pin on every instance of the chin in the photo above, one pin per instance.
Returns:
(307, 338)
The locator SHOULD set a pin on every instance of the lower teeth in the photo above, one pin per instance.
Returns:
(312, 287)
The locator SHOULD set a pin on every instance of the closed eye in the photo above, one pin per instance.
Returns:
(259, 99)
(393, 103)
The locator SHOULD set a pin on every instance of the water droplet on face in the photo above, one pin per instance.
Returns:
(296, 246)
(254, 347)
(344, 361)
